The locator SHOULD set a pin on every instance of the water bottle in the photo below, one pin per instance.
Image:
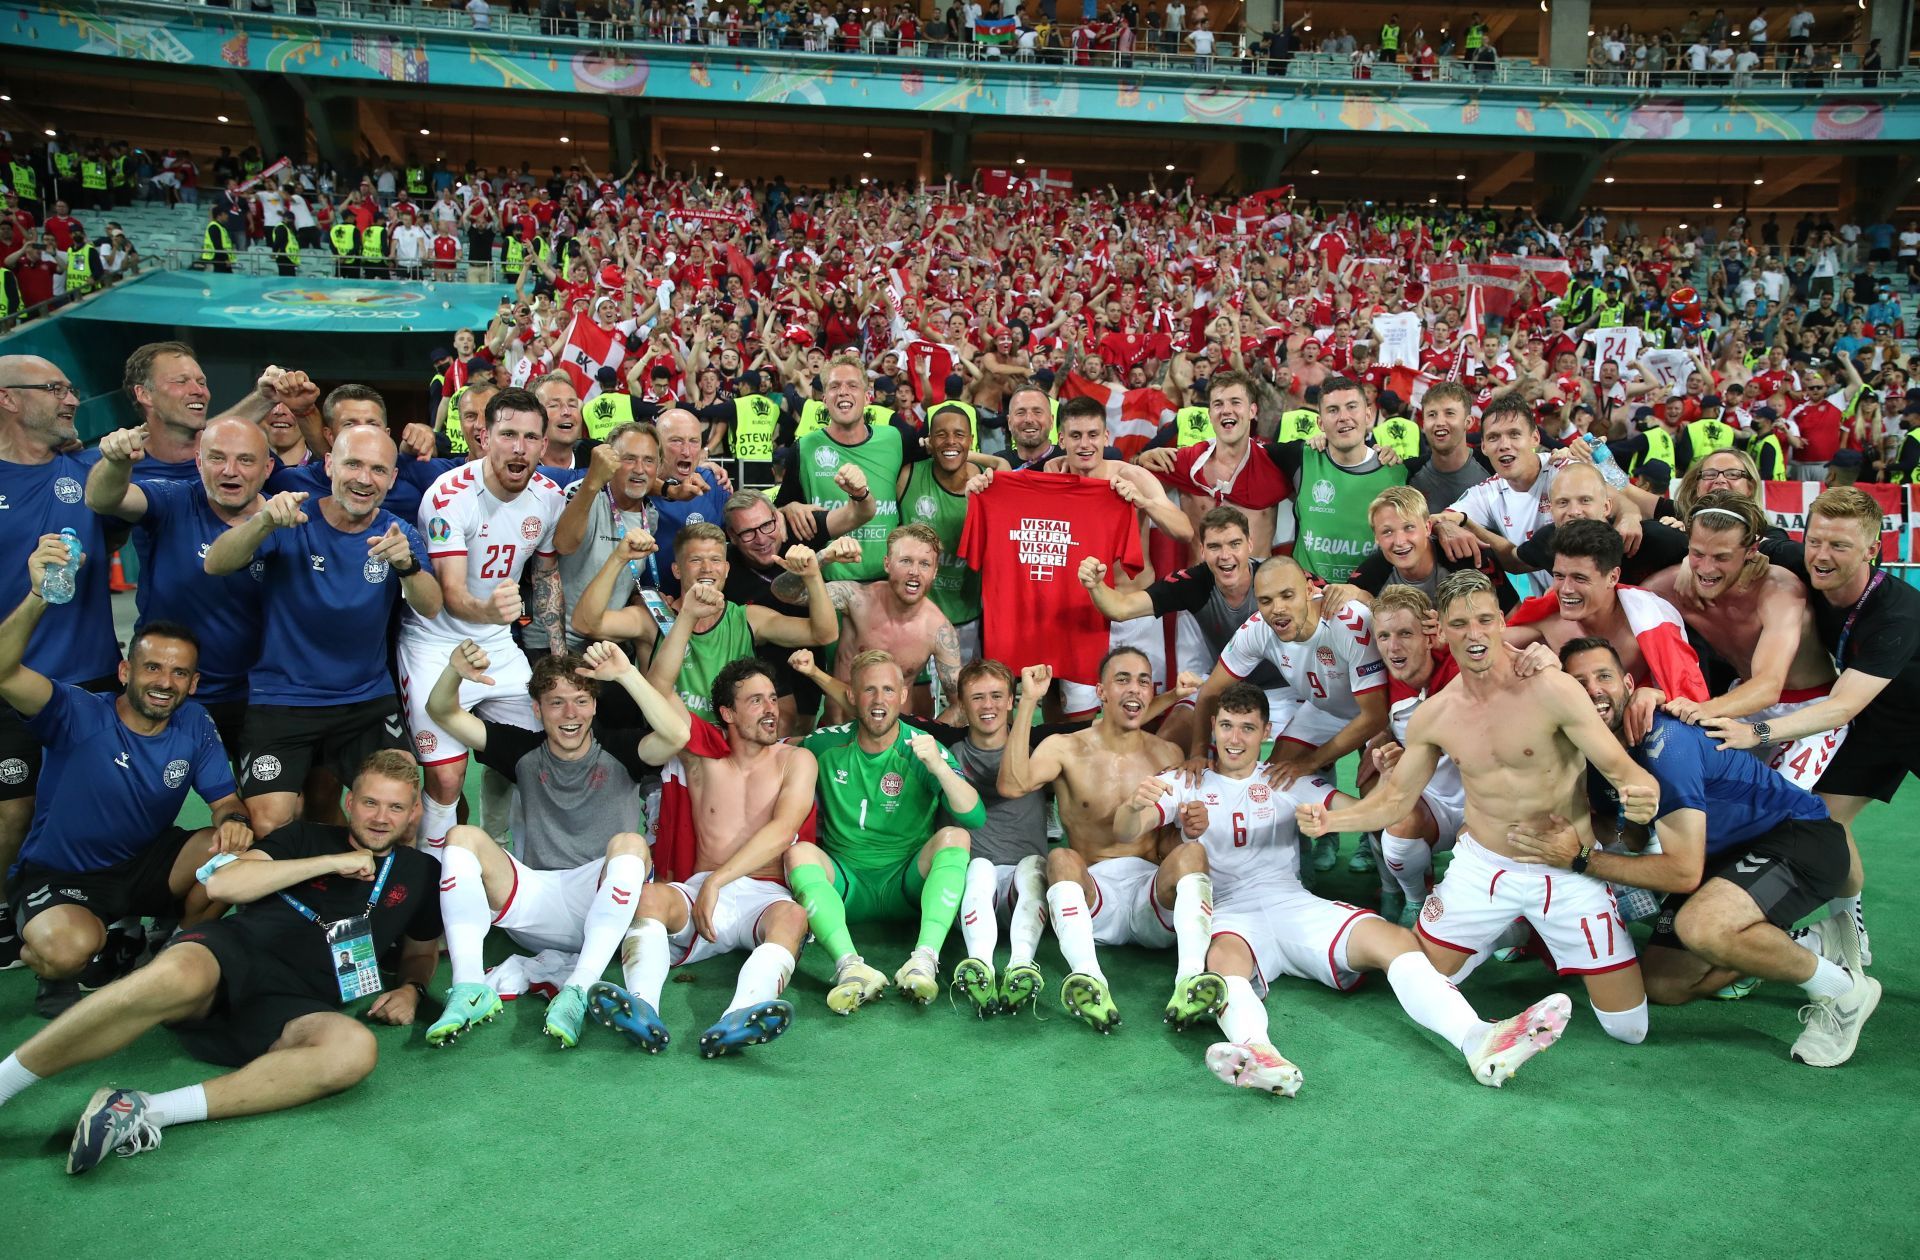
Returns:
(1610, 471)
(58, 585)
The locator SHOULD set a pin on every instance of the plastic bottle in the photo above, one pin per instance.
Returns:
(58, 586)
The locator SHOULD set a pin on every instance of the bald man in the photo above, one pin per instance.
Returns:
(183, 521)
(42, 484)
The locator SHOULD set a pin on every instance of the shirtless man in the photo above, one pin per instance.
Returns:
(1266, 925)
(749, 794)
(1094, 773)
(1519, 744)
(1587, 600)
(1001, 368)
(896, 617)
(1756, 616)
(1083, 438)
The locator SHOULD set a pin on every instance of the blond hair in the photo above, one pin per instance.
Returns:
(1408, 502)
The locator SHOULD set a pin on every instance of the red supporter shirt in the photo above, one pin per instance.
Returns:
(1820, 425)
(1258, 484)
(36, 281)
(1026, 535)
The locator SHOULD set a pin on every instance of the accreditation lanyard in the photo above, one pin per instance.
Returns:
(350, 941)
(650, 521)
(1846, 631)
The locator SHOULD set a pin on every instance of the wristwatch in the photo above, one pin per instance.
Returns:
(1763, 732)
(1579, 864)
(412, 567)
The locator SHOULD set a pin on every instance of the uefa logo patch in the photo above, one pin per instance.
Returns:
(826, 459)
(438, 530)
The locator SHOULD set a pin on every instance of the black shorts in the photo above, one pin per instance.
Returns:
(138, 886)
(251, 1008)
(20, 751)
(229, 719)
(1789, 872)
(1874, 762)
(283, 741)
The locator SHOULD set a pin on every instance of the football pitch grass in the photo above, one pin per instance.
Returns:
(903, 1132)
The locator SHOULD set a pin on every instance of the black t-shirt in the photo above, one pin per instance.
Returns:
(1376, 573)
(1661, 547)
(1884, 642)
(294, 950)
(748, 585)
(1039, 465)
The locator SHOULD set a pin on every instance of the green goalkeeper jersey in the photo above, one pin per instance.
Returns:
(877, 809)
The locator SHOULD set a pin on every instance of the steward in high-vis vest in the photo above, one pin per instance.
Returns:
(1191, 425)
(286, 248)
(216, 246)
(83, 266)
(605, 412)
(755, 418)
(345, 239)
(373, 252)
(25, 186)
(1400, 435)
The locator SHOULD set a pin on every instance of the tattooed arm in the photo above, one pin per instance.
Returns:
(549, 607)
(946, 667)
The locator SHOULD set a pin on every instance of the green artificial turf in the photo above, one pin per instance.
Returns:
(902, 1132)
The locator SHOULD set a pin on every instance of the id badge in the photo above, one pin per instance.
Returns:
(350, 946)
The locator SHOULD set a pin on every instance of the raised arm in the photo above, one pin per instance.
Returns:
(26, 690)
(591, 615)
(1113, 605)
(467, 662)
(666, 717)
(549, 610)
(110, 488)
(234, 549)
(1393, 798)
(820, 625)
(1022, 772)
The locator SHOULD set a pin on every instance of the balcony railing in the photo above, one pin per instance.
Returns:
(570, 25)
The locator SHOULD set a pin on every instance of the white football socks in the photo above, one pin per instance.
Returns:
(1244, 1018)
(1073, 926)
(644, 960)
(1192, 924)
(609, 917)
(1433, 1003)
(979, 928)
(1029, 909)
(762, 976)
(464, 913)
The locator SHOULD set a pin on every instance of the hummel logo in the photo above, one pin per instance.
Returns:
(621, 896)
(392, 725)
(121, 761)
(317, 563)
(1758, 862)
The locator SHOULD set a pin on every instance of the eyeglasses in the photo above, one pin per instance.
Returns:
(763, 530)
(56, 388)
(1723, 474)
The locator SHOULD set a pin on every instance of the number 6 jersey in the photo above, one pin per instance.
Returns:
(1251, 840)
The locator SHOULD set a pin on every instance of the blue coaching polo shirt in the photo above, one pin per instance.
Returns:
(74, 642)
(327, 608)
(106, 793)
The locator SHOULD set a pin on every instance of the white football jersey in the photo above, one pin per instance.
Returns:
(1335, 663)
(1251, 841)
(461, 517)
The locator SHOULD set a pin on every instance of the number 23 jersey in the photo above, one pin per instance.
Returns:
(497, 537)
